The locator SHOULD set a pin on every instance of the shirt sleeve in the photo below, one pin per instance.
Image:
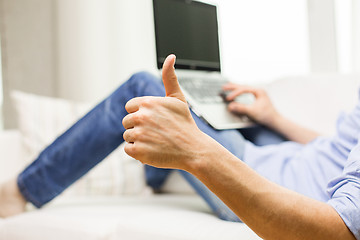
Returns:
(344, 192)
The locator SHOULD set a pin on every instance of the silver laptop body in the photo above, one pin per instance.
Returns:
(189, 29)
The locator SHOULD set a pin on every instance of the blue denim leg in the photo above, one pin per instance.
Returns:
(85, 144)
(155, 177)
(261, 135)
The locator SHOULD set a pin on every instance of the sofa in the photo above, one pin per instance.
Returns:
(112, 202)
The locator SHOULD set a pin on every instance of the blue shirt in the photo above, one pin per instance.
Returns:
(326, 169)
(344, 192)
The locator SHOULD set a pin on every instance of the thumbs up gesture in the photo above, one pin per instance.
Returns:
(160, 131)
(170, 81)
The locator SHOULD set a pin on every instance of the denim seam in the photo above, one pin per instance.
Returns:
(27, 195)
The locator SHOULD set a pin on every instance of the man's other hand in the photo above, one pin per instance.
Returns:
(261, 110)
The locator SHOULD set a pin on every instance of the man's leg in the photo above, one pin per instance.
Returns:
(261, 135)
(85, 144)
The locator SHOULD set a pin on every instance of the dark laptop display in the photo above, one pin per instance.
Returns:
(189, 29)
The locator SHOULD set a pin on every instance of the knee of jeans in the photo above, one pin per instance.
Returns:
(132, 87)
(141, 79)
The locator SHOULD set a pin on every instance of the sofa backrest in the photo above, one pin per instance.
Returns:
(315, 101)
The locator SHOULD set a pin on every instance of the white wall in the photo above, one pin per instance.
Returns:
(100, 43)
(27, 49)
(343, 18)
(322, 36)
(263, 40)
(347, 14)
(83, 50)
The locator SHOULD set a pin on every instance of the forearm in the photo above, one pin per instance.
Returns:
(271, 211)
(291, 130)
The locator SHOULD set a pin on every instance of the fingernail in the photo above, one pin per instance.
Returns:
(172, 56)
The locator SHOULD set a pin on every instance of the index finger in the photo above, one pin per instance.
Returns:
(133, 105)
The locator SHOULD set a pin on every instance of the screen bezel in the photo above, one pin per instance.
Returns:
(178, 64)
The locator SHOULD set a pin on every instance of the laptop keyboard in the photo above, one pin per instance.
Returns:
(202, 89)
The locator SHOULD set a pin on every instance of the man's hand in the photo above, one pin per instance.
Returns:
(160, 130)
(264, 112)
(261, 110)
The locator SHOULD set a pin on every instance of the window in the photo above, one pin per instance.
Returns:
(343, 14)
(263, 40)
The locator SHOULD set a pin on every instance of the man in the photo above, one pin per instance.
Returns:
(162, 132)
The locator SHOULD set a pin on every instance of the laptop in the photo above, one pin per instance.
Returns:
(189, 29)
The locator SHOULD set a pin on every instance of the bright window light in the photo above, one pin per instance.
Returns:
(344, 34)
(263, 40)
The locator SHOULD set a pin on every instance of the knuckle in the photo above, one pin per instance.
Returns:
(147, 102)
(134, 151)
(261, 91)
(144, 116)
(125, 136)
(125, 120)
(128, 149)
(138, 134)
(129, 103)
(131, 150)
(134, 135)
(138, 118)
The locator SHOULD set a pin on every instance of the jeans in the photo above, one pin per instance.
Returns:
(100, 132)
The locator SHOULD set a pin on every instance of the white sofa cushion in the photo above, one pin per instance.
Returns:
(161, 217)
(315, 101)
(41, 119)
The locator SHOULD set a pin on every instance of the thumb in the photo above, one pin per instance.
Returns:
(169, 77)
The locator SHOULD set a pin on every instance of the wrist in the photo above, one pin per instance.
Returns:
(274, 121)
(202, 152)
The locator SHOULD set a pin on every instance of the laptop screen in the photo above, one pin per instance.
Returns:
(189, 29)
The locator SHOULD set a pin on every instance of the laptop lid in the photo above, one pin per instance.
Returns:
(189, 29)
